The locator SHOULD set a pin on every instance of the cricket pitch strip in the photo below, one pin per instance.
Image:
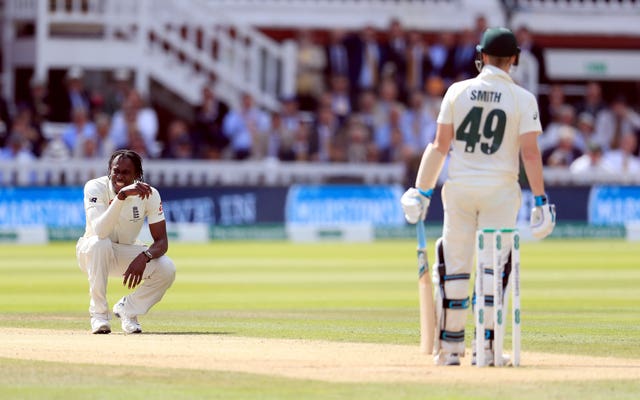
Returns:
(298, 359)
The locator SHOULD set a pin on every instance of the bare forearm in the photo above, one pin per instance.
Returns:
(533, 168)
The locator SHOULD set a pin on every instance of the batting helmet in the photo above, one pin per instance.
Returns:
(499, 42)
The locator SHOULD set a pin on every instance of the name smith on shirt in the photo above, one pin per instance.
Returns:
(488, 96)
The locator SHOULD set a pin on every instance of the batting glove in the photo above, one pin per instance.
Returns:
(415, 203)
(543, 218)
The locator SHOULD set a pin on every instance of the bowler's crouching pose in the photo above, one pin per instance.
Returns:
(116, 206)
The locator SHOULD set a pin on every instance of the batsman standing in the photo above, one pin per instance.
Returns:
(486, 122)
(116, 206)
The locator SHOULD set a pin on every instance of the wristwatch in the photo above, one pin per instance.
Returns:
(148, 254)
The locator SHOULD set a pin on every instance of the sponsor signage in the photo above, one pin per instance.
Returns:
(614, 205)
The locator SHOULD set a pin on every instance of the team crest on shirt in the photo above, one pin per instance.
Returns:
(535, 115)
(160, 209)
(93, 200)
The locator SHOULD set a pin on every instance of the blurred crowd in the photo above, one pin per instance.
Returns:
(366, 96)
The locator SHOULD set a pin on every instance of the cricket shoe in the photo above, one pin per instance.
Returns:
(129, 324)
(448, 359)
(100, 325)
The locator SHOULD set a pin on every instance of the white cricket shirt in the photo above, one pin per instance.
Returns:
(488, 113)
(98, 193)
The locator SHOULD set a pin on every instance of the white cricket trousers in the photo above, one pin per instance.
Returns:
(466, 209)
(101, 258)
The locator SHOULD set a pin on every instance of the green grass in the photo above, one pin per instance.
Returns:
(578, 297)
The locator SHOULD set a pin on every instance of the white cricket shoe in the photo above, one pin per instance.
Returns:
(100, 325)
(448, 359)
(129, 324)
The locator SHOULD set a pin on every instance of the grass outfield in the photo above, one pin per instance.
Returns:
(578, 297)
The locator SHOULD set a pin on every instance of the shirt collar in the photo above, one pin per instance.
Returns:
(492, 71)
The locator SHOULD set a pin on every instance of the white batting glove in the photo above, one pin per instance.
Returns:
(543, 218)
(415, 204)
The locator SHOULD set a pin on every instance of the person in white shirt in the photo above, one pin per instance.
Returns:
(116, 206)
(485, 123)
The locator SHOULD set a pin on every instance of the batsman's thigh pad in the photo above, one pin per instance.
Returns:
(452, 302)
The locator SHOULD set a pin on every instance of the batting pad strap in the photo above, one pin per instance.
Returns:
(430, 166)
(454, 277)
(449, 336)
(456, 304)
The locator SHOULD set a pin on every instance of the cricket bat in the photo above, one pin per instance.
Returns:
(425, 291)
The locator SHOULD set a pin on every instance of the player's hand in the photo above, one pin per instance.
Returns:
(133, 274)
(415, 204)
(135, 189)
(543, 220)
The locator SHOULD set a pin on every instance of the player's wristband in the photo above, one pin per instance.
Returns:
(426, 193)
(540, 200)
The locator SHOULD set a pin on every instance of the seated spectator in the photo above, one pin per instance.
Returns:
(179, 143)
(208, 125)
(105, 144)
(613, 123)
(387, 99)
(245, 127)
(75, 96)
(434, 89)
(565, 151)
(24, 127)
(591, 162)
(388, 137)
(622, 160)
(17, 148)
(366, 112)
(418, 127)
(585, 131)
(79, 130)
(551, 134)
(324, 131)
(417, 63)
(338, 96)
(145, 119)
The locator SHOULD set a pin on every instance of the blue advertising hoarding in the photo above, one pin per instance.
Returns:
(614, 205)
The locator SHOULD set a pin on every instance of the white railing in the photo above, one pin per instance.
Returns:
(195, 38)
(201, 173)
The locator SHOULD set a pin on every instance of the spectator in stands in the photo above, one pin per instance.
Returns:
(591, 162)
(354, 144)
(622, 160)
(585, 130)
(105, 144)
(311, 62)
(565, 151)
(208, 124)
(17, 148)
(179, 142)
(336, 55)
(464, 55)
(592, 102)
(365, 60)
(76, 96)
(441, 54)
(5, 119)
(366, 113)
(38, 101)
(245, 127)
(80, 129)
(388, 136)
(526, 41)
(387, 99)
(613, 123)
(118, 92)
(339, 96)
(394, 51)
(551, 105)
(135, 111)
(417, 61)
(24, 127)
(325, 130)
(284, 140)
(527, 72)
(480, 25)
(434, 89)
(418, 128)
(565, 118)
